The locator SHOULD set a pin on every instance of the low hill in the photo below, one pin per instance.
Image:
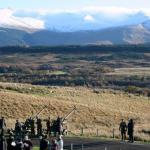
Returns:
(100, 109)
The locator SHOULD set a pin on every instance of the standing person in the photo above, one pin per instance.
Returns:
(123, 129)
(60, 142)
(27, 143)
(18, 128)
(48, 125)
(39, 126)
(54, 145)
(2, 123)
(59, 125)
(11, 144)
(32, 123)
(44, 143)
(3, 144)
(19, 144)
(131, 130)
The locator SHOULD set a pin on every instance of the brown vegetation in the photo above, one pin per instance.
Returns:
(100, 109)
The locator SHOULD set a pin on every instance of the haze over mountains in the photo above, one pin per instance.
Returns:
(94, 25)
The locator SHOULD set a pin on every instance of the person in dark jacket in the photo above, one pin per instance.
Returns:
(11, 144)
(19, 144)
(131, 130)
(54, 145)
(39, 126)
(18, 129)
(27, 143)
(123, 129)
(48, 126)
(44, 143)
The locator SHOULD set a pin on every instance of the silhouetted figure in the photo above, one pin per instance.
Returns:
(11, 144)
(3, 144)
(44, 143)
(19, 144)
(2, 126)
(123, 129)
(32, 124)
(59, 126)
(39, 126)
(131, 130)
(18, 129)
(2, 123)
(48, 126)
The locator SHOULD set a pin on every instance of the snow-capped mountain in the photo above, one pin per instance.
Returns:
(67, 21)
(73, 28)
(8, 20)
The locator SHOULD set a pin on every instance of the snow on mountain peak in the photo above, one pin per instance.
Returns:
(7, 19)
(93, 18)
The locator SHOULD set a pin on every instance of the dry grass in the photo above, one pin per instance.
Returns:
(144, 71)
(95, 110)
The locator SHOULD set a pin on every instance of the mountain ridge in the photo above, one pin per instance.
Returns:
(134, 34)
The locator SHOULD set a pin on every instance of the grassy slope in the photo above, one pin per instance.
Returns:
(102, 109)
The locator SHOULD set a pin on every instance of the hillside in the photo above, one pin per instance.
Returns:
(133, 34)
(100, 109)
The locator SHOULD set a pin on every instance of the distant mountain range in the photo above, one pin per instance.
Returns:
(132, 34)
(89, 26)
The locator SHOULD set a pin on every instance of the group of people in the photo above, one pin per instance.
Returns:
(18, 138)
(15, 142)
(127, 128)
(26, 143)
(18, 144)
(35, 127)
(55, 144)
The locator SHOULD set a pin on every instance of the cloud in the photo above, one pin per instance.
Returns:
(8, 19)
(6, 12)
(89, 18)
(92, 17)
(106, 11)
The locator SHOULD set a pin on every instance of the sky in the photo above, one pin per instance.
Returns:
(72, 4)
(73, 14)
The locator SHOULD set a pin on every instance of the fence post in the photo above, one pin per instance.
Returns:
(97, 133)
(82, 131)
(113, 133)
(82, 148)
(71, 146)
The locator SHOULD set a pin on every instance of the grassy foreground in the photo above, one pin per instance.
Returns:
(96, 109)
(35, 148)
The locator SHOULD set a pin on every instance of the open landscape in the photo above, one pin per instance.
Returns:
(102, 110)
(75, 75)
(117, 67)
(104, 85)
